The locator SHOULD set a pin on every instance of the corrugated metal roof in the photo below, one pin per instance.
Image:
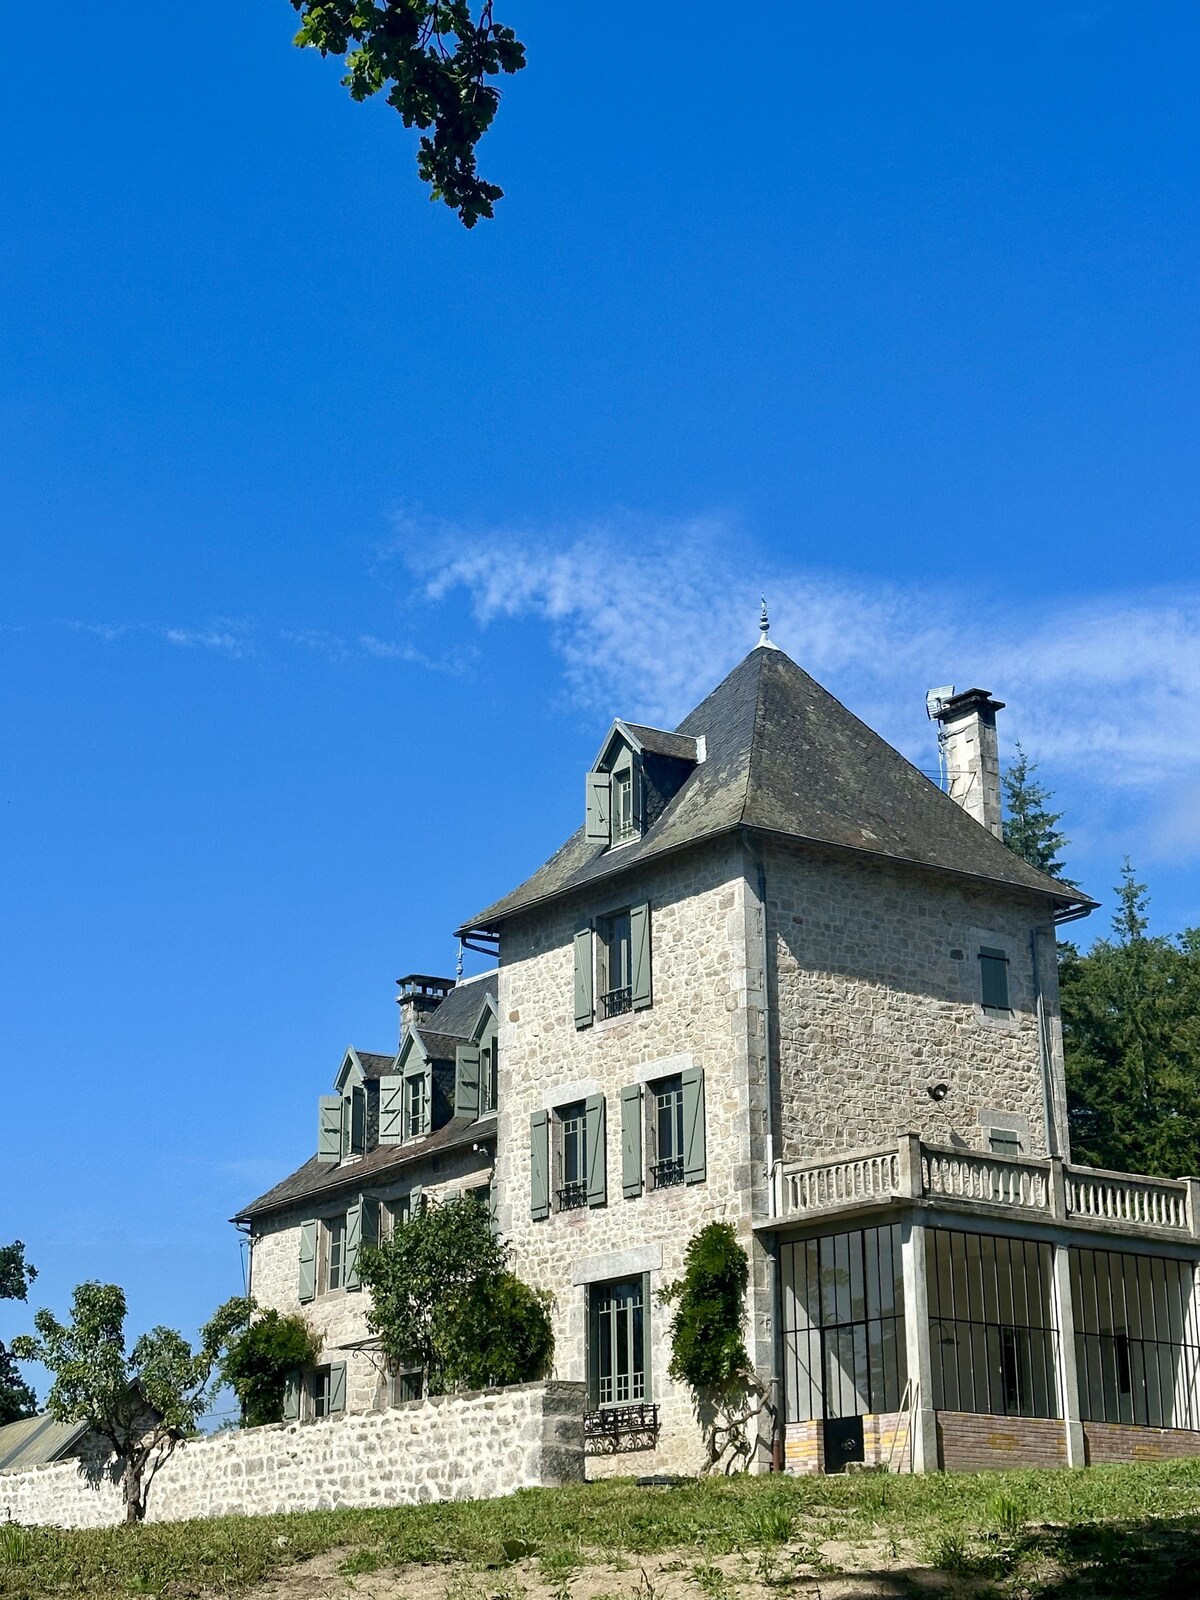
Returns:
(37, 1440)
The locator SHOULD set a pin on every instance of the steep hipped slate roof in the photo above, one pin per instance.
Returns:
(37, 1440)
(782, 755)
(443, 1030)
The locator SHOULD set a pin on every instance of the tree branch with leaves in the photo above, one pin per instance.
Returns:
(141, 1402)
(17, 1399)
(436, 59)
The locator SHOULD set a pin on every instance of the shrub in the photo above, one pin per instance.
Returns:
(257, 1365)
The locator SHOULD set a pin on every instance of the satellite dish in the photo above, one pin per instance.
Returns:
(936, 699)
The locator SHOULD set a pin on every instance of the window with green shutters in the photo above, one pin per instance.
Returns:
(327, 1391)
(335, 1253)
(572, 1189)
(993, 978)
(667, 1169)
(416, 1105)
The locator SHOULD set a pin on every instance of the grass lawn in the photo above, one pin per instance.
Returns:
(1129, 1531)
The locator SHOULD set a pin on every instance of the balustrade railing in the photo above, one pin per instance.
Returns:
(913, 1170)
(1116, 1197)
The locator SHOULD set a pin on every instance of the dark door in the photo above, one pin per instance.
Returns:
(843, 1442)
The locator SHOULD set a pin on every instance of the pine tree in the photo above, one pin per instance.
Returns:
(1131, 1032)
(1030, 828)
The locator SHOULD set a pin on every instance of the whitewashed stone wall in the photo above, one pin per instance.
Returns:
(338, 1316)
(877, 997)
(455, 1447)
(706, 1010)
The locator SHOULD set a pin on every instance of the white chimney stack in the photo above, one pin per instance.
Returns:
(967, 735)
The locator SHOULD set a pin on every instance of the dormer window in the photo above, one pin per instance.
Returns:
(624, 824)
(416, 1120)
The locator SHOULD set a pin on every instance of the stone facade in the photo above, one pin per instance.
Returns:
(338, 1316)
(706, 1010)
(456, 1447)
(876, 998)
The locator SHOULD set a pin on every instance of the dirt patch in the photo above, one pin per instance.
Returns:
(832, 1570)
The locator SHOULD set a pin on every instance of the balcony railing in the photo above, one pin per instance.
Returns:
(572, 1195)
(620, 1428)
(668, 1172)
(941, 1176)
(616, 1002)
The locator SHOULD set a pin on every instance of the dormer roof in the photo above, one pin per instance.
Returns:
(648, 741)
(784, 757)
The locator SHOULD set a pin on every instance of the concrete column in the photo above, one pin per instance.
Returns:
(1068, 1373)
(916, 1341)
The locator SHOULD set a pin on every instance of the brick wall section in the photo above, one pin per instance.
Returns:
(707, 1011)
(885, 1443)
(803, 1448)
(455, 1447)
(968, 1442)
(1115, 1441)
(871, 1007)
(339, 1317)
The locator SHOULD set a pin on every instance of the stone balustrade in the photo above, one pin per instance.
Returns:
(941, 1176)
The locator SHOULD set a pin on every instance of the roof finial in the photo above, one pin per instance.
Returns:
(765, 642)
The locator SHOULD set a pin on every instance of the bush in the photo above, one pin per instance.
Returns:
(258, 1363)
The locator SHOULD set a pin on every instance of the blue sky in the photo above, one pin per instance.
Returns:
(331, 535)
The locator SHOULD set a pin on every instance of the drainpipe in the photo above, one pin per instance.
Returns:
(1053, 1143)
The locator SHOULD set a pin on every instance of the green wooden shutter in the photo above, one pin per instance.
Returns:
(308, 1261)
(598, 829)
(466, 1080)
(694, 1170)
(639, 956)
(631, 1141)
(337, 1388)
(993, 973)
(414, 1201)
(597, 1153)
(354, 1233)
(391, 1110)
(539, 1165)
(584, 1003)
(291, 1397)
(329, 1128)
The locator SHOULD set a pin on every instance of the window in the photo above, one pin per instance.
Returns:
(405, 1386)
(616, 990)
(354, 1122)
(1003, 1143)
(624, 825)
(617, 1342)
(489, 1077)
(666, 1101)
(335, 1253)
(321, 1385)
(572, 1141)
(416, 1103)
(991, 1325)
(993, 977)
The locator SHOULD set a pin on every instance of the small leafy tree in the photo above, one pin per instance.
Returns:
(142, 1402)
(258, 1362)
(442, 1297)
(17, 1399)
(1031, 829)
(435, 58)
(708, 1350)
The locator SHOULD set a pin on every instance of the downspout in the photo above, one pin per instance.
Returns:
(1053, 1143)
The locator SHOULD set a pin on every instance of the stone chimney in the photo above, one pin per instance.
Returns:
(419, 995)
(967, 736)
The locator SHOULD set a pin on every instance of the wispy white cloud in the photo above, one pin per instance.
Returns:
(229, 638)
(647, 615)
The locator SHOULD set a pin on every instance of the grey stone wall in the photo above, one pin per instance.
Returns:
(455, 1447)
(876, 997)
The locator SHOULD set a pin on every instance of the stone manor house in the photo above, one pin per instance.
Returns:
(776, 977)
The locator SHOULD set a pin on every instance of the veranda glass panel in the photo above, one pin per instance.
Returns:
(843, 1325)
(1137, 1343)
(992, 1338)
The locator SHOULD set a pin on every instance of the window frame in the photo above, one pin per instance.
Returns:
(416, 1083)
(333, 1229)
(614, 932)
(570, 1124)
(320, 1392)
(633, 1386)
(659, 1090)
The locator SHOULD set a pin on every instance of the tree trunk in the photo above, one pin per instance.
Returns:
(131, 1492)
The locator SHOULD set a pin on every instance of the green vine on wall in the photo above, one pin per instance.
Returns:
(708, 1348)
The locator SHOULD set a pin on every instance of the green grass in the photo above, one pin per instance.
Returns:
(1131, 1532)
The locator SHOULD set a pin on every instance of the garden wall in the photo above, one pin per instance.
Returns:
(453, 1447)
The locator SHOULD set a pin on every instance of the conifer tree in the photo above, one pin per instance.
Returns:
(1030, 828)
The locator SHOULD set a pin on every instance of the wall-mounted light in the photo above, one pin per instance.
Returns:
(937, 1092)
